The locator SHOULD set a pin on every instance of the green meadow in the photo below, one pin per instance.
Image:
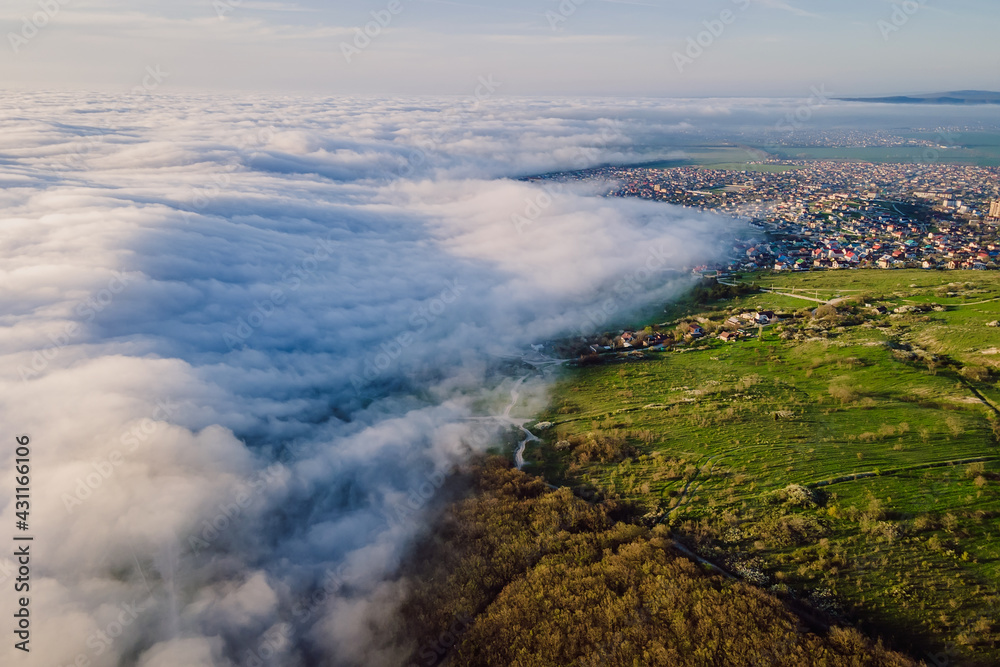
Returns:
(980, 156)
(968, 148)
(840, 455)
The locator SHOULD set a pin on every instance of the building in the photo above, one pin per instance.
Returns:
(995, 209)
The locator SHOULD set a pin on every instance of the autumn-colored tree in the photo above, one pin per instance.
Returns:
(549, 580)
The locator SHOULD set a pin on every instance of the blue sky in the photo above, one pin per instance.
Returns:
(576, 47)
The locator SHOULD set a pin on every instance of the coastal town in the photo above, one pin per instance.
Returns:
(834, 214)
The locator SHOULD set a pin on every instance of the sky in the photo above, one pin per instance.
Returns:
(520, 47)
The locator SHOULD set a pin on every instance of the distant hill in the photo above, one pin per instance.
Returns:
(954, 97)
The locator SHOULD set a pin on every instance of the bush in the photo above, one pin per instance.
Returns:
(825, 312)
(797, 495)
(843, 393)
(976, 373)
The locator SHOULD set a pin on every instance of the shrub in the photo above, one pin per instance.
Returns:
(975, 469)
(976, 373)
(825, 312)
(843, 393)
(797, 495)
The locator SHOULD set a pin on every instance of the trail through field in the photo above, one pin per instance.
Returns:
(687, 491)
(976, 303)
(896, 471)
(505, 418)
(793, 296)
(515, 395)
(543, 365)
(985, 401)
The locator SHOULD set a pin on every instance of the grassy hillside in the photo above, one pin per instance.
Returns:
(518, 574)
(848, 456)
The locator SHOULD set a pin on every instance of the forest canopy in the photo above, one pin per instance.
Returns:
(520, 574)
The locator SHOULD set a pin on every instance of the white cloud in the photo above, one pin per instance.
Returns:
(246, 335)
(193, 293)
(787, 7)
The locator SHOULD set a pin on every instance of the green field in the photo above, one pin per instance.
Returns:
(976, 155)
(713, 157)
(970, 148)
(845, 456)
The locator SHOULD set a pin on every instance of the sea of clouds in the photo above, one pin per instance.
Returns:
(247, 338)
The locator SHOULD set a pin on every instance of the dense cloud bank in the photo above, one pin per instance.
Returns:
(247, 337)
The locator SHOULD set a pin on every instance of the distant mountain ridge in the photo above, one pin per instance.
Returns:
(953, 97)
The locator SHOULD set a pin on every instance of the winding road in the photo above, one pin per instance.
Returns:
(541, 363)
(515, 395)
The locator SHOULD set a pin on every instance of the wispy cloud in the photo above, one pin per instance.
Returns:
(787, 7)
(559, 39)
